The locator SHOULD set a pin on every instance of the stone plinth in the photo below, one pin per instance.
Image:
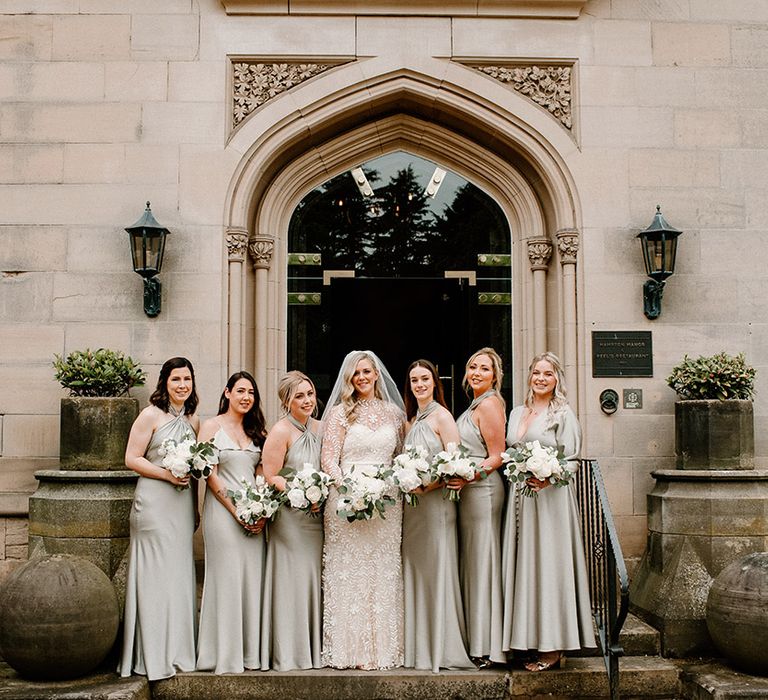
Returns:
(698, 522)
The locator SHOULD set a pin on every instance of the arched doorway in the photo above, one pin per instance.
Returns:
(402, 256)
(507, 148)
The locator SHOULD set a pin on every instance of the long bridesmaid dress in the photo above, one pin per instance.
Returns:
(159, 631)
(292, 620)
(480, 511)
(546, 605)
(230, 615)
(435, 633)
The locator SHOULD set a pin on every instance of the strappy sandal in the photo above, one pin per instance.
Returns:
(539, 665)
(481, 662)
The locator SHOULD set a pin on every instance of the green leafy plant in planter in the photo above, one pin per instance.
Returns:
(97, 416)
(720, 376)
(99, 372)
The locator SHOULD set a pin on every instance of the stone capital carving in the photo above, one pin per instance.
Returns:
(539, 253)
(237, 244)
(255, 83)
(549, 86)
(568, 245)
(261, 249)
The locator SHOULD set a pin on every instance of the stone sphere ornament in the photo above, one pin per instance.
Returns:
(59, 617)
(737, 612)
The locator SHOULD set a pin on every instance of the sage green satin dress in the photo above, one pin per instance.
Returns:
(292, 620)
(435, 633)
(160, 600)
(546, 590)
(480, 513)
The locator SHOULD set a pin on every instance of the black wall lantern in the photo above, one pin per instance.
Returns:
(659, 243)
(147, 249)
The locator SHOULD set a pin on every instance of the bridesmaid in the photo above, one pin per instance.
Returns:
(481, 428)
(230, 614)
(159, 627)
(547, 604)
(435, 634)
(291, 628)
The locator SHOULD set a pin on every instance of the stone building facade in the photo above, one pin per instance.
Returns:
(577, 117)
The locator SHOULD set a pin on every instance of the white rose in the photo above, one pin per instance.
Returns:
(314, 494)
(408, 479)
(464, 468)
(296, 499)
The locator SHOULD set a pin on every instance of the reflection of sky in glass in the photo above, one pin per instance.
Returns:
(388, 165)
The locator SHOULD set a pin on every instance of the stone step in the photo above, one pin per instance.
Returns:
(97, 686)
(585, 678)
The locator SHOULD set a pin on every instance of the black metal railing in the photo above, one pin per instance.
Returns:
(608, 580)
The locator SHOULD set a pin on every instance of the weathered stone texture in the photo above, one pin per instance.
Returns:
(26, 37)
(91, 37)
(173, 36)
(25, 435)
(24, 164)
(623, 43)
(135, 81)
(688, 44)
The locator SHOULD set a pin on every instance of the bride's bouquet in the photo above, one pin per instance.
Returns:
(306, 488)
(532, 459)
(255, 500)
(363, 493)
(410, 470)
(189, 458)
(453, 462)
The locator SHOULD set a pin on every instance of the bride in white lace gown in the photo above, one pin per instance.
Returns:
(362, 569)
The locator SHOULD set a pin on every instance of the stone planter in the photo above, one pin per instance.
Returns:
(713, 434)
(94, 432)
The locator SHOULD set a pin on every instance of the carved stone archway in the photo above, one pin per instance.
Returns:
(498, 141)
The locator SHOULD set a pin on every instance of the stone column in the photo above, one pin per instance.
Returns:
(237, 244)
(261, 249)
(539, 253)
(568, 245)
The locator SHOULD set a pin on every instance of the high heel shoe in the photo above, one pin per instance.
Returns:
(539, 665)
(481, 662)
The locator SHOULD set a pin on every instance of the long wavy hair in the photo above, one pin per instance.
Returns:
(289, 384)
(254, 425)
(160, 397)
(348, 398)
(558, 401)
(411, 405)
(498, 372)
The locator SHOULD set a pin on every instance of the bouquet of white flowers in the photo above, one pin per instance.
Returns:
(363, 493)
(410, 470)
(255, 501)
(306, 488)
(535, 460)
(453, 462)
(189, 457)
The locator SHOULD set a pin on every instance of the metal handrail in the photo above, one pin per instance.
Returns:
(608, 580)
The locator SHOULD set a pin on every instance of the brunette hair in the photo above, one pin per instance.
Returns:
(411, 405)
(498, 372)
(254, 425)
(288, 385)
(160, 397)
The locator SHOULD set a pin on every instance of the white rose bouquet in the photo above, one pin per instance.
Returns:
(534, 460)
(255, 501)
(453, 462)
(363, 493)
(306, 488)
(189, 458)
(410, 470)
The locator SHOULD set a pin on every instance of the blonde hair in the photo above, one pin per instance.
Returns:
(558, 401)
(348, 400)
(288, 386)
(498, 372)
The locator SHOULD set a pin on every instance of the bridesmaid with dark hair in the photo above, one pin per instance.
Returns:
(159, 628)
(292, 623)
(230, 614)
(435, 633)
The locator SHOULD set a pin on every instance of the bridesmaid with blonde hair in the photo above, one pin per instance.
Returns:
(291, 631)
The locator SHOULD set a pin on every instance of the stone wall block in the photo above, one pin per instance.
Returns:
(144, 7)
(135, 81)
(651, 167)
(151, 164)
(739, 88)
(26, 164)
(388, 35)
(623, 42)
(25, 296)
(79, 336)
(665, 10)
(59, 81)
(91, 37)
(665, 87)
(627, 127)
(28, 37)
(26, 435)
(750, 46)
(203, 122)
(87, 163)
(643, 435)
(35, 343)
(746, 11)
(700, 207)
(165, 37)
(690, 44)
(706, 128)
(607, 85)
(97, 248)
(197, 81)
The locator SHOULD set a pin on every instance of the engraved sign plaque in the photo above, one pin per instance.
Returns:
(622, 354)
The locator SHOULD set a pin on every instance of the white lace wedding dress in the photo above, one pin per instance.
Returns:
(362, 568)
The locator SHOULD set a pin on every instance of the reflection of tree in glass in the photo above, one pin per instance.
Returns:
(472, 223)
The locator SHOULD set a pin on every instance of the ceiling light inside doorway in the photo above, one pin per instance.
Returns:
(434, 184)
(362, 182)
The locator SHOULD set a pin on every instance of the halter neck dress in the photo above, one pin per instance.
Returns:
(435, 633)
(160, 600)
(230, 613)
(292, 620)
(480, 512)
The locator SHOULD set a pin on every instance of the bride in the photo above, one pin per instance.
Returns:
(362, 571)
